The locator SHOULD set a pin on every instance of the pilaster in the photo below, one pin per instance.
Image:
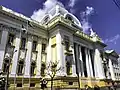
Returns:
(28, 57)
(15, 55)
(60, 54)
(81, 62)
(77, 61)
(90, 64)
(87, 63)
(111, 70)
(3, 46)
(38, 62)
(73, 56)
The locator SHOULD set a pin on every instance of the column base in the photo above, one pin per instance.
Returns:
(26, 76)
(13, 75)
(74, 75)
(61, 74)
(38, 76)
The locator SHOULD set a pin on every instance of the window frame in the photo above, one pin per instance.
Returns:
(20, 66)
(10, 39)
(32, 69)
(43, 47)
(34, 45)
(23, 43)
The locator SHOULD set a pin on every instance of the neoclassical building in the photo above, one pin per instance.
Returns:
(111, 60)
(27, 46)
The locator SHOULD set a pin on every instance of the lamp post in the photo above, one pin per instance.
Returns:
(8, 65)
(2, 81)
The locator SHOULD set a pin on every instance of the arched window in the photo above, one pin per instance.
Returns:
(45, 19)
(68, 17)
(20, 68)
(72, 18)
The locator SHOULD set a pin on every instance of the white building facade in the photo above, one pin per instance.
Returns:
(112, 62)
(28, 46)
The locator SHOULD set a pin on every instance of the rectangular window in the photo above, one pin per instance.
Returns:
(34, 45)
(70, 83)
(23, 43)
(32, 69)
(10, 39)
(66, 42)
(20, 68)
(43, 69)
(32, 84)
(43, 47)
(19, 84)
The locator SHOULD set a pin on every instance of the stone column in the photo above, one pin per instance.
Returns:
(81, 64)
(77, 67)
(38, 62)
(87, 63)
(3, 46)
(99, 72)
(111, 70)
(28, 57)
(60, 54)
(15, 55)
(90, 64)
(49, 51)
(74, 63)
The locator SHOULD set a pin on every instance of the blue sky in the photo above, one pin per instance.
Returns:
(103, 15)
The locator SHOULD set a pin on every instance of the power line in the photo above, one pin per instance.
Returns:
(117, 3)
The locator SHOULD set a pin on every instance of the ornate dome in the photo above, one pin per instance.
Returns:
(60, 10)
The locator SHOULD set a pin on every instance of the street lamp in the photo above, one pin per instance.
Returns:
(2, 81)
(8, 65)
(43, 84)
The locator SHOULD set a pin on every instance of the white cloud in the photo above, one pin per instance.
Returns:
(85, 18)
(72, 3)
(112, 39)
(85, 25)
(89, 10)
(47, 5)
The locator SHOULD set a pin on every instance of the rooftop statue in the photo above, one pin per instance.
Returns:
(92, 33)
(95, 36)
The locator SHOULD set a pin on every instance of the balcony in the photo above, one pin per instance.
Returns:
(22, 54)
(34, 55)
